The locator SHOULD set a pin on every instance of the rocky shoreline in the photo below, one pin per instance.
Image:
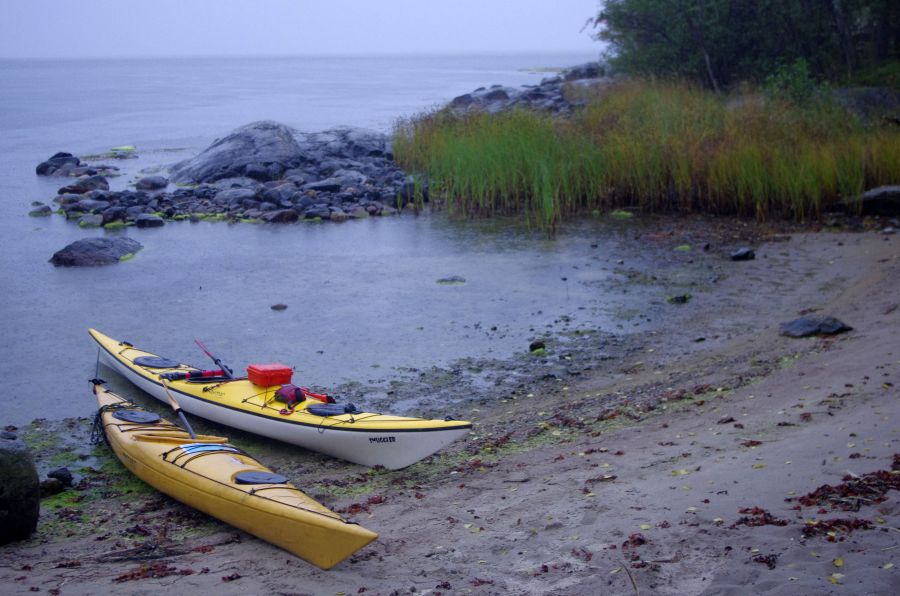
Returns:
(268, 172)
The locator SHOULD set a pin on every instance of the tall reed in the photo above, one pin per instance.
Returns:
(653, 146)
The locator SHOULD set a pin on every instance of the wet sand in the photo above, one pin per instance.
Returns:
(613, 464)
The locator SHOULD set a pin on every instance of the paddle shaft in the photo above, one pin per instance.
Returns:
(181, 416)
(218, 362)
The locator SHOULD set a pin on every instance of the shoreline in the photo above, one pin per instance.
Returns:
(558, 479)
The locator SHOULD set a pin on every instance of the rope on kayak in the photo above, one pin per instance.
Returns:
(98, 434)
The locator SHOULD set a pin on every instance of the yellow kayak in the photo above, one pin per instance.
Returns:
(367, 438)
(219, 479)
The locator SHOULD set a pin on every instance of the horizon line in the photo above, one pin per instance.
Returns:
(398, 54)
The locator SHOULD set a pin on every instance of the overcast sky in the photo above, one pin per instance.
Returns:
(144, 28)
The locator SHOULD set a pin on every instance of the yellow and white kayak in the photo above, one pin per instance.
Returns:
(365, 438)
(219, 479)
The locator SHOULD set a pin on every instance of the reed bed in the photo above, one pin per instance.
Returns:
(652, 146)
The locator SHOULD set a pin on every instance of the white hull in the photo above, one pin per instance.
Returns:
(393, 450)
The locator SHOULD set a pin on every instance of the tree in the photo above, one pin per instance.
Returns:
(722, 42)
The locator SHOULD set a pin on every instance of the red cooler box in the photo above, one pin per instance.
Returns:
(266, 375)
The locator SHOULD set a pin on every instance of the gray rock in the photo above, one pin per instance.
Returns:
(884, 200)
(350, 177)
(95, 251)
(256, 144)
(320, 210)
(588, 70)
(114, 213)
(19, 491)
(339, 215)
(63, 475)
(496, 95)
(237, 182)
(91, 205)
(83, 185)
(327, 185)
(66, 199)
(152, 183)
(50, 487)
(281, 216)
(453, 280)
(462, 101)
(57, 165)
(280, 193)
(41, 211)
(90, 220)
(149, 220)
(743, 254)
(807, 326)
(234, 196)
(133, 212)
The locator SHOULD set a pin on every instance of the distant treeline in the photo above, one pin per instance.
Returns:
(723, 42)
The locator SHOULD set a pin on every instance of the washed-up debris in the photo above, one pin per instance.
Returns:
(769, 561)
(853, 491)
(743, 254)
(831, 528)
(757, 516)
(152, 571)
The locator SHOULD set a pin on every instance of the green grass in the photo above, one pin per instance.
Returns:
(654, 147)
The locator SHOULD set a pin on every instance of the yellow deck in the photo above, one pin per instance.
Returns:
(277, 513)
(245, 396)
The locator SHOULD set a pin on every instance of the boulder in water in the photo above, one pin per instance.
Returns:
(95, 251)
(257, 144)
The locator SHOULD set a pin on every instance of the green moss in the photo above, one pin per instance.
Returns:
(212, 216)
(621, 214)
(683, 248)
(115, 225)
(127, 257)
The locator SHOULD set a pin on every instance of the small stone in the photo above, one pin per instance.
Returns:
(679, 299)
(453, 280)
(63, 475)
(279, 306)
(807, 326)
(50, 487)
(536, 345)
(152, 183)
(743, 254)
(42, 211)
(148, 220)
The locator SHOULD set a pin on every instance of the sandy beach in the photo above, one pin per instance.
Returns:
(690, 465)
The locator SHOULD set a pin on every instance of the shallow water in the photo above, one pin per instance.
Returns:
(362, 296)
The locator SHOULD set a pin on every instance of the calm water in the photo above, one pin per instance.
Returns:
(362, 298)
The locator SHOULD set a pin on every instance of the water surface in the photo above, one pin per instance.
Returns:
(362, 298)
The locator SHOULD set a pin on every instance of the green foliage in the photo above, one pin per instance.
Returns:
(794, 83)
(885, 74)
(652, 146)
(721, 42)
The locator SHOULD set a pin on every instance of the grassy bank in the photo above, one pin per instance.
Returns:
(654, 146)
